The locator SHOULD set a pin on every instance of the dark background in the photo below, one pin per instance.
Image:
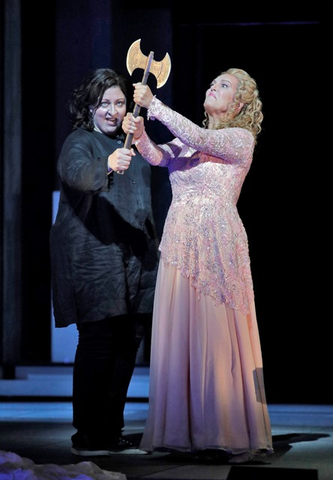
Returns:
(280, 204)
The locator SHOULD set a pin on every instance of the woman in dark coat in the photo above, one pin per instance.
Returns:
(104, 259)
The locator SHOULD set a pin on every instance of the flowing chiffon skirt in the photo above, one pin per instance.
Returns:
(206, 378)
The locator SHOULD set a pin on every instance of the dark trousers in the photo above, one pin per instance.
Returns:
(103, 367)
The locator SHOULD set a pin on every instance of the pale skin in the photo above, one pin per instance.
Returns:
(108, 117)
(218, 100)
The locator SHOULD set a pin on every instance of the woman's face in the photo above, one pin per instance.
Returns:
(108, 116)
(220, 96)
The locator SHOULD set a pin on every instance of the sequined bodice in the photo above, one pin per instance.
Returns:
(203, 234)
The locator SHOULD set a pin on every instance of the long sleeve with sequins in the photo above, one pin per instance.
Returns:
(203, 235)
(224, 143)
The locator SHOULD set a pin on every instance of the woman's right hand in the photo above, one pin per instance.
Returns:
(133, 125)
(120, 159)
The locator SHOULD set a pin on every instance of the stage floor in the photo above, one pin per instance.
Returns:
(41, 431)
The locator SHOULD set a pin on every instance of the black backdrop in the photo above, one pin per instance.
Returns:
(279, 201)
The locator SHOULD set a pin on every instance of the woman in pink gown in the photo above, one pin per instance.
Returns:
(206, 374)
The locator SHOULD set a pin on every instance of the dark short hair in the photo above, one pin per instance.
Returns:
(90, 93)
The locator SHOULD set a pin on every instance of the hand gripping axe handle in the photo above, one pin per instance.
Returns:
(137, 108)
(161, 70)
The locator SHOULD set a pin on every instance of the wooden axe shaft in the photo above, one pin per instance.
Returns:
(129, 137)
(137, 108)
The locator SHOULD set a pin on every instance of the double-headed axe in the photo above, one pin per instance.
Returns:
(161, 70)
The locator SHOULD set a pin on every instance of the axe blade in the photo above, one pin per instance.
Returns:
(161, 70)
(136, 59)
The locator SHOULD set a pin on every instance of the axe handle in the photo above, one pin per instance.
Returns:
(137, 108)
(129, 137)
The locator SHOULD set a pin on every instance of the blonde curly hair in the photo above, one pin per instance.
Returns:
(250, 116)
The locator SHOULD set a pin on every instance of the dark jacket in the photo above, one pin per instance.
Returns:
(103, 245)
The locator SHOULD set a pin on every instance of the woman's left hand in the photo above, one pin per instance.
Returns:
(133, 125)
(142, 95)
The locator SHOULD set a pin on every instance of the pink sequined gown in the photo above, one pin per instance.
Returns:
(206, 379)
